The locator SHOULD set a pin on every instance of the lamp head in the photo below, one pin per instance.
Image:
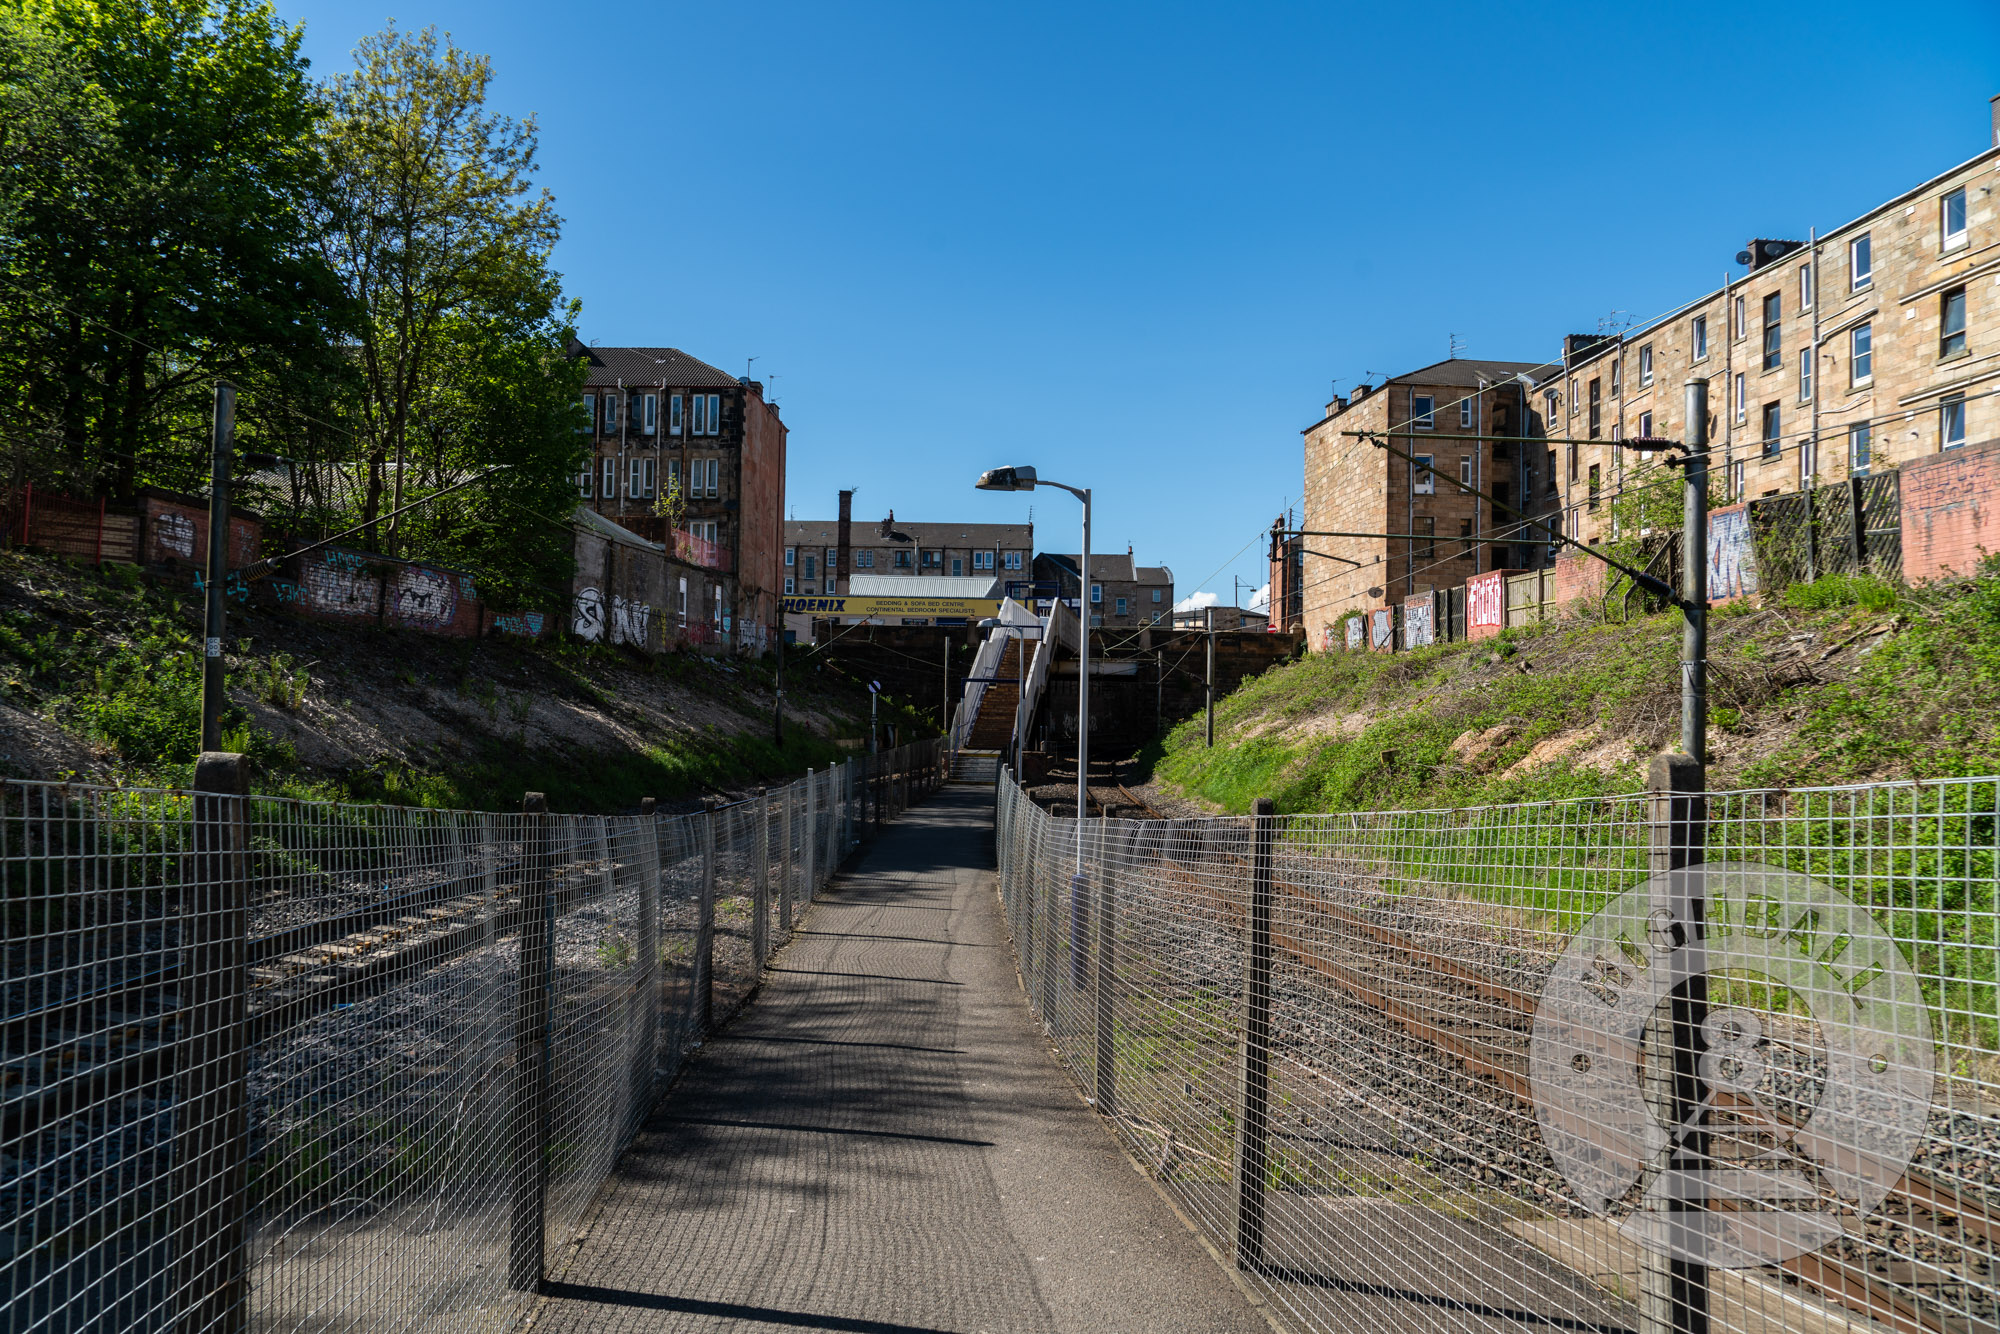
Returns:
(1007, 479)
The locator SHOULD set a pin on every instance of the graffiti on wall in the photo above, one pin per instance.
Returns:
(1486, 600)
(176, 534)
(631, 620)
(1382, 629)
(1418, 625)
(586, 620)
(1355, 631)
(1732, 556)
(338, 584)
(526, 624)
(424, 598)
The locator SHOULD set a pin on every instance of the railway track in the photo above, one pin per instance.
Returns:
(1922, 1264)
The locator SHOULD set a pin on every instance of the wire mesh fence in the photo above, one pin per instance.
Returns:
(1473, 1069)
(309, 1066)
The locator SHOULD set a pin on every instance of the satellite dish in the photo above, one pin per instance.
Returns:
(1374, 592)
(1744, 258)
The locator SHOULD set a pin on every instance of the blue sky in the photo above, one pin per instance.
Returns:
(1134, 244)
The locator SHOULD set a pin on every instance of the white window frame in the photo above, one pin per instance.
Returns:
(832, 558)
(1736, 482)
(1010, 560)
(1646, 367)
(1964, 295)
(1951, 416)
(652, 426)
(1805, 375)
(808, 566)
(790, 585)
(1805, 286)
(674, 478)
(1860, 262)
(635, 480)
(586, 480)
(674, 414)
(590, 412)
(1808, 462)
(1572, 396)
(1465, 468)
(1424, 418)
(791, 558)
(715, 414)
(609, 486)
(864, 559)
(1423, 475)
(681, 607)
(1741, 314)
(1771, 442)
(1699, 329)
(1465, 414)
(1742, 399)
(1096, 595)
(1645, 424)
(698, 415)
(1861, 354)
(610, 413)
(1860, 448)
(1947, 239)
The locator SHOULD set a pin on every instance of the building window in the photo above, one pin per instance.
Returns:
(1805, 374)
(1423, 481)
(1773, 446)
(1572, 396)
(1736, 491)
(1617, 366)
(652, 426)
(1742, 319)
(589, 414)
(584, 478)
(1805, 286)
(1860, 262)
(1860, 355)
(1951, 422)
(1645, 425)
(1742, 400)
(1701, 338)
(1808, 462)
(790, 586)
(1423, 412)
(1774, 332)
(1859, 440)
(1951, 219)
(791, 557)
(610, 413)
(864, 560)
(1951, 323)
(715, 414)
(1464, 538)
(1012, 560)
(608, 488)
(902, 560)
(808, 569)
(1502, 510)
(1096, 594)
(1156, 597)
(1596, 417)
(1596, 482)
(810, 588)
(1572, 460)
(1645, 365)
(1120, 603)
(958, 567)
(1465, 414)
(1426, 530)
(1465, 469)
(698, 414)
(1549, 417)
(674, 415)
(982, 560)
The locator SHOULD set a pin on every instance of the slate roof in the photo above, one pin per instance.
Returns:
(636, 366)
(1459, 373)
(1115, 567)
(929, 536)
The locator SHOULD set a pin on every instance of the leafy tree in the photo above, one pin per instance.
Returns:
(181, 250)
(441, 238)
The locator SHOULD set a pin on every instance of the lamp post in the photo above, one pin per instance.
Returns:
(1024, 479)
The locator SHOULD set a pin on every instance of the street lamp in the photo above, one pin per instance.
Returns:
(1024, 479)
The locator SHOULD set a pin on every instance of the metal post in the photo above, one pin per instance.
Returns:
(223, 439)
(944, 699)
(1106, 980)
(778, 702)
(704, 938)
(811, 844)
(211, 1130)
(1673, 1291)
(760, 895)
(650, 890)
(1253, 1132)
(1694, 578)
(789, 878)
(532, 984)
(1083, 688)
(1211, 678)
(1857, 496)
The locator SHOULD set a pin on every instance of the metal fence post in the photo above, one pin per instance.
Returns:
(809, 842)
(760, 930)
(1673, 1291)
(788, 832)
(211, 1131)
(650, 889)
(1857, 505)
(1253, 1125)
(1106, 980)
(533, 982)
(704, 936)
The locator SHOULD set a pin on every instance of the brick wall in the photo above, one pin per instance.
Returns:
(1579, 577)
(1951, 511)
(360, 588)
(1486, 604)
(175, 532)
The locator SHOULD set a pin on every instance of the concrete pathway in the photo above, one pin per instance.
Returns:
(881, 1143)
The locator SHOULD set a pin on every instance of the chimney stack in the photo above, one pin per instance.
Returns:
(846, 529)
(1994, 102)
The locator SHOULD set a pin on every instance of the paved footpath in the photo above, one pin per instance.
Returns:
(881, 1143)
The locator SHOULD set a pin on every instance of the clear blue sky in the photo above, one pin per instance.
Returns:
(1133, 244)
